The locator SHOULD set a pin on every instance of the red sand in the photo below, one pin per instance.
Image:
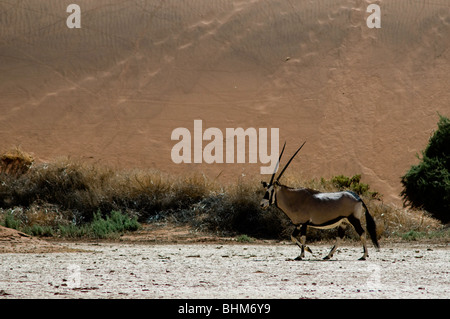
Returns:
(366, 100)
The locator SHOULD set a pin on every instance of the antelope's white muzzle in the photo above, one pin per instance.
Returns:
(264, 203)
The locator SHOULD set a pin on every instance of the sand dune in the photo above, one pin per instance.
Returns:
(366, 100)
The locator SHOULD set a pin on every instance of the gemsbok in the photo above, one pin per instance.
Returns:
(307, 207)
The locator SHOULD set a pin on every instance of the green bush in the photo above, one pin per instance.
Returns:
(114, 224)
(427, 184)
(38, 230)
(74, 231)
(354, 184)
(11, 221)
(244, 239)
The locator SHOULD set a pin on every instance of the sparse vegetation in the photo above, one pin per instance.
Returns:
(244, 239)
(354, 184)
(414, 235)
(71, 199)
(112, 226)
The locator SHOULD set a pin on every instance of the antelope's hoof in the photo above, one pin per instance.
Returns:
(362, 258)
(298, 258)
(327, 257)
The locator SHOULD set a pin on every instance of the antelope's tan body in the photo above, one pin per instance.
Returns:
(307, 207)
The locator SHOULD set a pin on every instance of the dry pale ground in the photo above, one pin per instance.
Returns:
(223, 269)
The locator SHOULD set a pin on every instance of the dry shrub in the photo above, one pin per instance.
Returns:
(15, 162)
(392, 219)
(235, 210)
(86, 189)
(41, 214)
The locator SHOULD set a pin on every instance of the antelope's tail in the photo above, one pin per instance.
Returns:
(371, 227)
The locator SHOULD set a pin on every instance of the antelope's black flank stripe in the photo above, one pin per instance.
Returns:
(328, 223)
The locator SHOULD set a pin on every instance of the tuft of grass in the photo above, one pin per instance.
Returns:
(414, 235)
(38, 230)
(113, 225)
(73, 231)
(244, 239)
(11, 221)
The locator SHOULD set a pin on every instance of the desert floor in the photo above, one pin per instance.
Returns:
(226, 270)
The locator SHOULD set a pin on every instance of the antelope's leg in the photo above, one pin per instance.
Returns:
(302, 231)
(303, 238)
(362, 235)
(341, 233)
(295, 240)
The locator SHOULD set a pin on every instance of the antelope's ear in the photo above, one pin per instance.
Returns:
(264, 184)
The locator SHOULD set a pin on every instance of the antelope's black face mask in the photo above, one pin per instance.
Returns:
(269, 196)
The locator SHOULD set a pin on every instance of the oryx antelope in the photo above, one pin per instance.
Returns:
(307, 207)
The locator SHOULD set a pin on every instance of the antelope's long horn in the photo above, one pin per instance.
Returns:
(279, 176)
(278, 163)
